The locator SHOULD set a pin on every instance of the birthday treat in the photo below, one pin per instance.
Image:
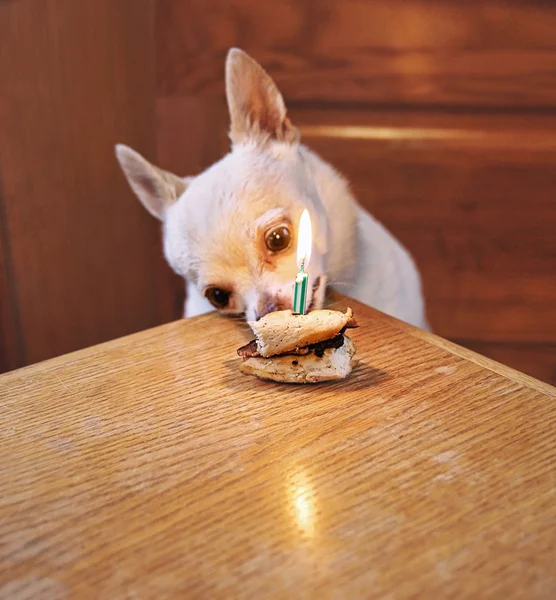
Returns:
(293, 348)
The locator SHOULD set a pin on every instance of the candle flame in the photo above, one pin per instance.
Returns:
(304, 240)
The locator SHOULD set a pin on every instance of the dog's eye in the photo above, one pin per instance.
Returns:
(278, 239)
(218, 297)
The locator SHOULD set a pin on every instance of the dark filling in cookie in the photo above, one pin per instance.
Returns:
(250, 349)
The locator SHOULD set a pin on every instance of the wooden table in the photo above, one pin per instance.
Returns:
(149, 467)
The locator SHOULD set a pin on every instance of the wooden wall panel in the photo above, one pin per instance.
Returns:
(396, 52)
(11, 349)
(86, 260)
(191, 133)
(472, 198)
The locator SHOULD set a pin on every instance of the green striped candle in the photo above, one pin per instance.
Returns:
(300, 292)
(304, 244)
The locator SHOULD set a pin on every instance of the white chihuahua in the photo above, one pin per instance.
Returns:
(231, 231)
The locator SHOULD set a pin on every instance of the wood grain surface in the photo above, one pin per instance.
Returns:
(148, 467)
(500, 53)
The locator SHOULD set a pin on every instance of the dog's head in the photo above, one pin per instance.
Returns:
(232, 230)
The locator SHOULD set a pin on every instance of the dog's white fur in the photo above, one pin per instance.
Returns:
(215, 222)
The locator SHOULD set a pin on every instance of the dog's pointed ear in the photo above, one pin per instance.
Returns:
(257, 109)
(157, 189)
